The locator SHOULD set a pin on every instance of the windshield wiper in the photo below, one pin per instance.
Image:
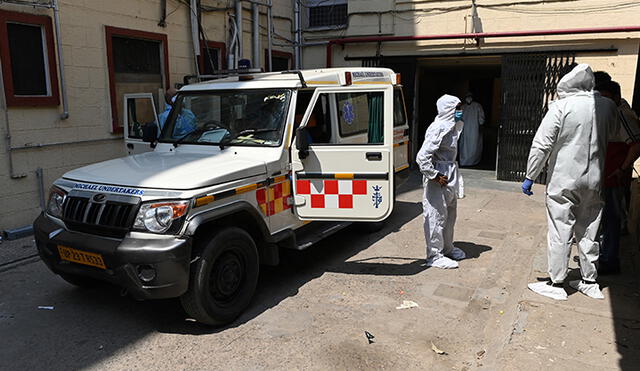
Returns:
(227, 140)
(196, 131)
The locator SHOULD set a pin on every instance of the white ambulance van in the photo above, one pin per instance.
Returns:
(242, 166)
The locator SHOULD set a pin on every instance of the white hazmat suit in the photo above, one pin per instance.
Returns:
(438, 156)
(573, 138)
(471, 140)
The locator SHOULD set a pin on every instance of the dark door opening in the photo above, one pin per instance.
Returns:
(458, 76)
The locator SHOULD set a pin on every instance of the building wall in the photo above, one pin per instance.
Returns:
(85, 62)
(395, 18)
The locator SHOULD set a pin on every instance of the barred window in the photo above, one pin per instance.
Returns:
(328, 15)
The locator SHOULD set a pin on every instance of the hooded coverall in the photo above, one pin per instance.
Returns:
(573, 137)
(438, 155)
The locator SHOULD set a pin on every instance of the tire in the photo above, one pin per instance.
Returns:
(80, 281)
(224, 278)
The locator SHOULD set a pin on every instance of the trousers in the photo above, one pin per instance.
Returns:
(572, 213)
(439, 206)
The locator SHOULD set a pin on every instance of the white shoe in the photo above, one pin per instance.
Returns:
(546, 289)
(592, 290)
(456, 254)
(443, 262)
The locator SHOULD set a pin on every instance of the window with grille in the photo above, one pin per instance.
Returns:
(327, 15)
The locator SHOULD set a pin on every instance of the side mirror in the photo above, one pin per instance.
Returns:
(302, 143)
(150, 133)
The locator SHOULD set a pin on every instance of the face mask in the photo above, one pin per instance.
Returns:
(469, 100)
(458, 115)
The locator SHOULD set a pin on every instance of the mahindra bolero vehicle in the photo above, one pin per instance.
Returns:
(242, 166)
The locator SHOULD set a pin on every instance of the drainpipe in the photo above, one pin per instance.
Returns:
(239, 28)
(255, 35)
(195, 34)
(231, 56)
(63, 85)
(297, 34)
(478, 35)
(269, 40)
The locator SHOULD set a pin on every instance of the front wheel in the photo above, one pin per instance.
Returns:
(223, 279)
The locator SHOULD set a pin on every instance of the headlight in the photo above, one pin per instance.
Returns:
(159, 216)
(56, 201)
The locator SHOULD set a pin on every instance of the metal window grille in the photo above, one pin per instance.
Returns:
(529, 83)
(328, 15)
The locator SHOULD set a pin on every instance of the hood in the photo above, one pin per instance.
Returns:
(170, 170)
(447, 107)
(579, 80)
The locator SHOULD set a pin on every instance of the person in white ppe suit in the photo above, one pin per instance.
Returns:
(573, 138)
(471, 138)
(437, 162)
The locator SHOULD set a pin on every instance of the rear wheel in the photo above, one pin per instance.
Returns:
(223, 279)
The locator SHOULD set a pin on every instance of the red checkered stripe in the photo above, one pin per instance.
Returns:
(274, 199)
(331, 193)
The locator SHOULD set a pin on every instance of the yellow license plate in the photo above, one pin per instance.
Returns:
(81, 257)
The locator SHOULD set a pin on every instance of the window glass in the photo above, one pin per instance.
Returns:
(140, 113)
(28, 64)
(361, 113)
(238, 117)
(399, 115)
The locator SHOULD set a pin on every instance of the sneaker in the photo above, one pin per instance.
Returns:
(549, 289)
(442, 262)
(456, 254)
(591, 289)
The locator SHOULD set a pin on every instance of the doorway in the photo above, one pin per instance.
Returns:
(458, 76)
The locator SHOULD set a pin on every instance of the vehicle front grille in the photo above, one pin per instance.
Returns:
(111, 217)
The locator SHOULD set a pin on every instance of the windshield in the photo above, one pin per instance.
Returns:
(233, 117)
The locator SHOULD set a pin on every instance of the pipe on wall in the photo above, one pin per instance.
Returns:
(269, 60)
(255, 35)
(478, 35)
(239, 28)
(63, 85)
(297, 34)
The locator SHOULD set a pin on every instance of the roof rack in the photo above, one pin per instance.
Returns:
(219, 74)
(300, 76)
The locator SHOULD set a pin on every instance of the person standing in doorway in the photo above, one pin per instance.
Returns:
(471, 139)
(573, 138)
(437, 162)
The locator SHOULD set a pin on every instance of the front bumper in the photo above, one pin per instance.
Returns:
(167, 255)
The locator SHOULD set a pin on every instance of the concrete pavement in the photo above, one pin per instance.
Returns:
(313, 310)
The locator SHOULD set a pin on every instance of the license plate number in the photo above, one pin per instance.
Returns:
(81, 257)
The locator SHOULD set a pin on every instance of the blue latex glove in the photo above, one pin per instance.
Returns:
(526, 187)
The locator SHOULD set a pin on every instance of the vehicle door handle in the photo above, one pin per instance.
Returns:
(130, 145)
(374, 156)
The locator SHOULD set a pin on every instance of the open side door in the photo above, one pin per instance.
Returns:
(345, 181)
(140, 110)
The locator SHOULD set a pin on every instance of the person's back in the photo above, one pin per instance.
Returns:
(581, 122)
(573, 137)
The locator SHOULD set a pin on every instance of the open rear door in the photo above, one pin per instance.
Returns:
(345, 181)
(140, 110)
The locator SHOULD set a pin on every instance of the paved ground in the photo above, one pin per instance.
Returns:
(312, 312)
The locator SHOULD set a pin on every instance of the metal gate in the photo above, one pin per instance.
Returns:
(529, 83)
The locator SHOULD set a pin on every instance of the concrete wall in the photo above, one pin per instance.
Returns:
(85, 61)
